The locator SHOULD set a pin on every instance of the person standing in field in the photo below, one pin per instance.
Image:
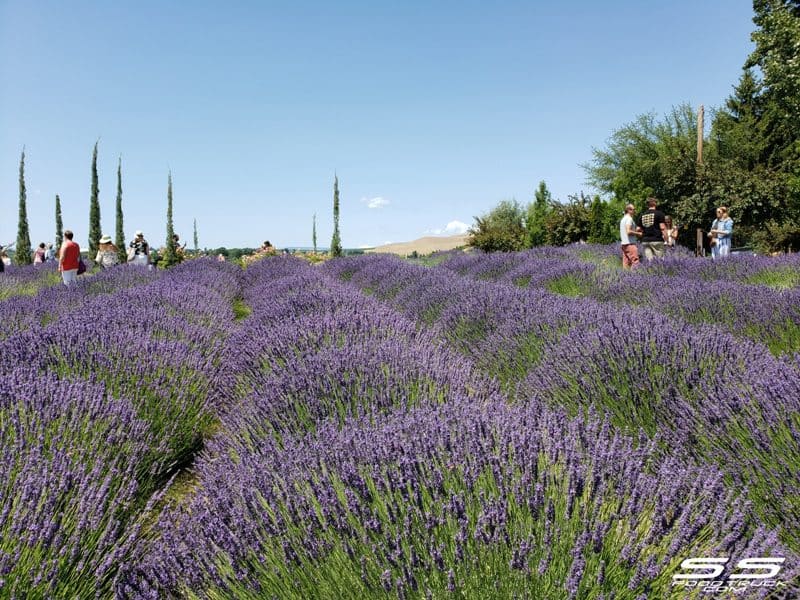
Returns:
(721, 233)
(4, 258)
(68, 259)
(40, 255)
(139, 250)
(107, 256)
(652, 223)
(670, 232)
(627, 236)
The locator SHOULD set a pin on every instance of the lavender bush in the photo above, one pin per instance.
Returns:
(26, 280)
(457, 499)
(313, 349)
(753, 297)
(381, 429)
(69, 456)
(719, 399)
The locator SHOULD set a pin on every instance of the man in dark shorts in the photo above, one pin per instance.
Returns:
(652, 223)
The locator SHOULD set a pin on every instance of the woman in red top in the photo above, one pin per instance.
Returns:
(68, 258)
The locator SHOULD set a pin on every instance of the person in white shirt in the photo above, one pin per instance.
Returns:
(627, 235)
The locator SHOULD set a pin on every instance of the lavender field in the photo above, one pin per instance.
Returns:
(534, 425)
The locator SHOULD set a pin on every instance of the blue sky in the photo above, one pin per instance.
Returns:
(429, 112)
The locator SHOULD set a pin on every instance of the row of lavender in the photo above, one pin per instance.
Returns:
(698, 389)
(108, 386)
(362, 457)
(15, 280)
(756, 297)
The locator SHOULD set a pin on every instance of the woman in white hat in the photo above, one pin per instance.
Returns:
(139, 250)
(107, 255)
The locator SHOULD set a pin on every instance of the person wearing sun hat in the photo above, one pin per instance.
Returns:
(107, 255)
(139, 250)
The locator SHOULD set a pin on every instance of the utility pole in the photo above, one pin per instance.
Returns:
(699, 250)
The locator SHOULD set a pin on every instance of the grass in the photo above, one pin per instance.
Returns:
(567, 285)
(12, 289)
(784, 278)
(240, 309)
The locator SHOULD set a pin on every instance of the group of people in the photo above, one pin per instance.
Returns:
(44, 253)
(69, 260)
(658, 233)
(69, 256)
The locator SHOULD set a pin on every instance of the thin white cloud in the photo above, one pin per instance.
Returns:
(377, 202)
(452, 228)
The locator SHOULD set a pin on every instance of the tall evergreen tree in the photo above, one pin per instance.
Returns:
(777, 55)
(59, 224)
(119, 238)
(22, 256)
(94, 209)
(314, 232)
(196, 246)
(336, 242)
(170, 249)
(536, 216)
(737, 132)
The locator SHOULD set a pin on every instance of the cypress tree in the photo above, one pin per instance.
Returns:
(22, 256)
(59, 225)
(119, 238)
(314, 232)
(94, 209)
(196, 247)
(336, 243)
(170, 249)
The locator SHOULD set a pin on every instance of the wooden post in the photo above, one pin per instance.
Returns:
(700, 126)
(698, 251)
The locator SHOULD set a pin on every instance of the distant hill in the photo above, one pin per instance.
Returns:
(423, 245)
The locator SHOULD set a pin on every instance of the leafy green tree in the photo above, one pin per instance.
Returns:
(502, 229)
(746, 168)
(196, 245)
(59, 224)
(22, 254)
(752, 158)
(119, 237)
(569, 222)
(536, 217)
(94, 208)
(648, 157)
(336, 243)
(170, 257)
